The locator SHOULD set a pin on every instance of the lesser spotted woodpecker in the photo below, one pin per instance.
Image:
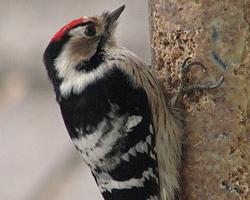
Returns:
(115, 110)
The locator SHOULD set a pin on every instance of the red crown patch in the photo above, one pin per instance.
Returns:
(58, 36)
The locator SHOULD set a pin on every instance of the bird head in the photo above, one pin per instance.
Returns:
(79, 47)
(84, 36)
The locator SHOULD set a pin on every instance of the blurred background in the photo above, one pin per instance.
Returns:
(37, 158)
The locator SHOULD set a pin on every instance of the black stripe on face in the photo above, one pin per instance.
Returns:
(150, 188)
(90, 65)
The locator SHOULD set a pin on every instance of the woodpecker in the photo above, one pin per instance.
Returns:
(115, 111)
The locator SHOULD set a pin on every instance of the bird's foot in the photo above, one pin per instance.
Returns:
(186, 87)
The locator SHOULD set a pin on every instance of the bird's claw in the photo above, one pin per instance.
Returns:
(185, 87)
(185, 67)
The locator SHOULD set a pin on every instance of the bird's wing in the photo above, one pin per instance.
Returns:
(167, 127)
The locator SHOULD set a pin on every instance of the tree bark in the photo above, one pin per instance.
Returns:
(216, 153)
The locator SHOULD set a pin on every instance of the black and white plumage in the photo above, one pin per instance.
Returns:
(115, 111)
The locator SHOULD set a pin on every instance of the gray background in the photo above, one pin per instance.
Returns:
(37, 158)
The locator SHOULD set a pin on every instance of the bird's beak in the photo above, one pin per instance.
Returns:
(113, 16)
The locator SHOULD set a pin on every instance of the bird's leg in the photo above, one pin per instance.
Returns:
(186, 87)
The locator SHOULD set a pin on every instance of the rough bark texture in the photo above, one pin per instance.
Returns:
(216, 158)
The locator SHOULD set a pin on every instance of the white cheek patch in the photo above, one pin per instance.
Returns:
(76, 82)
(72, 80)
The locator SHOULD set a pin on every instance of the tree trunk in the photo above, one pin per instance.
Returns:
(216, 152)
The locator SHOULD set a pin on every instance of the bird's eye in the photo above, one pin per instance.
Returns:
(90, 31)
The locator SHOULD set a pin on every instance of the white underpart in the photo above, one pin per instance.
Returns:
(132, 122)
(106, 183)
